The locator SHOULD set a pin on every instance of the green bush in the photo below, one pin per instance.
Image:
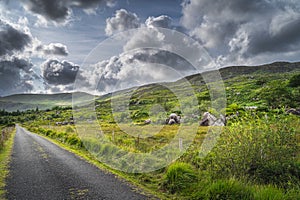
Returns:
(179, 176)
(261, 81)
(257, 150)
(293, 194)
(229, 190)
(295, 81)
(268, 193)
(61, 135)
(74, 140)
(279, 173)
(51, 133)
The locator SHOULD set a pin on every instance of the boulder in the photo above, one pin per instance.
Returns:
(209, 119)
(147, 121)
(171, 122)
(294, 111)
(173, 119)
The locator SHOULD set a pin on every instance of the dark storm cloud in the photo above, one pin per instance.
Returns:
(92, 3)
(244, 28)
(164, 58)
(286, 39)
(15, 76)
(56, 10)
(12, 39)
(59, 10)
(196, 12)
(56, 72)
(216, 22)
(16, 63)
(53, 49)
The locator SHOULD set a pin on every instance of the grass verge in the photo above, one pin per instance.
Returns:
(4, 161)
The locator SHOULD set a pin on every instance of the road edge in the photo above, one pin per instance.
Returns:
(5, 158)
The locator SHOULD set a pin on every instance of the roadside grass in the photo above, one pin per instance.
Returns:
(5, 153)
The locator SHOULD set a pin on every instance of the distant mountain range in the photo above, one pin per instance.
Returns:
(47, 101)
(23, 102)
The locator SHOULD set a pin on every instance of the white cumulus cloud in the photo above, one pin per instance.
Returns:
(121, 21)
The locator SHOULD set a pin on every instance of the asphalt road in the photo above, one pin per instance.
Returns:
(41, 170)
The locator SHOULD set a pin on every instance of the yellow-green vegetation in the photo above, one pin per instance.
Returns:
(7, 135)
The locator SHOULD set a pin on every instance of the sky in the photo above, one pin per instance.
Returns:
(45, 45)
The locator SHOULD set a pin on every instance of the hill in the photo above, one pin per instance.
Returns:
(23, 102)
(233, 73)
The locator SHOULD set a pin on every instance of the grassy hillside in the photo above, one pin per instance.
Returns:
(235, 73)
(266, 87)
(32, 101)
(256, 157)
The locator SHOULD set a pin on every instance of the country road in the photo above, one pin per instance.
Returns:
(41, 170)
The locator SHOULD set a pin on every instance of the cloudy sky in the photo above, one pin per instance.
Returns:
(43, 44)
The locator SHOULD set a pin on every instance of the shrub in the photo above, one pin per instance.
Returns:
(279, 173)
(61, 135)
(261, 81)
(293, 194)
(295, 81)
(74, 140)
(229, 190)
(255, 149)
(179, 176)
(51, 133)
(268, 192)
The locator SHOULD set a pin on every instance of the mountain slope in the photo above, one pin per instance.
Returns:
(40, 101)
(233, 73)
